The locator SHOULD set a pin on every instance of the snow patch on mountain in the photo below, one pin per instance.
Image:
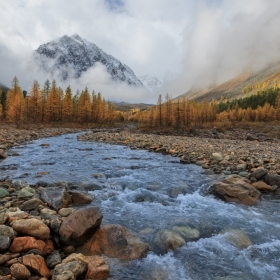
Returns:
(150, 82)
(69, 57)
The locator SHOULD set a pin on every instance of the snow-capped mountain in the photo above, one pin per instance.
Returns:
(150, 82)
(68, 57)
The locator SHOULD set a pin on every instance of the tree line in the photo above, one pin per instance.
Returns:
(264, 106)
(51, 104)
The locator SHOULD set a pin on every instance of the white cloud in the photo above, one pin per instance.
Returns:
(184, 42)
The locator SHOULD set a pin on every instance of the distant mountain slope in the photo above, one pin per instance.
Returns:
(150, 82)
(69, 57)
(240, 86)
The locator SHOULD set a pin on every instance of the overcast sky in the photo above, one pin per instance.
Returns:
(184, 43)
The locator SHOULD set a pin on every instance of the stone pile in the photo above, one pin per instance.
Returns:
(42, 237)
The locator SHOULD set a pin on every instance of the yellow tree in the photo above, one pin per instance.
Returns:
(15, 102)
(52, 105)
(84, 107)
(34, 110)
(67, 105)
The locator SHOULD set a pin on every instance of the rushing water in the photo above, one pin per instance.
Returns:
(148, 192)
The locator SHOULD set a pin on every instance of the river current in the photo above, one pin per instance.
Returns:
(147, 192)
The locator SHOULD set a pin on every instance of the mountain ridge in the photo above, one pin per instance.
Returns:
(69, 57)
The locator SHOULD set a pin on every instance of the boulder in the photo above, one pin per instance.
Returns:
(32, 227)
(31, 204)
(189, 234)
(7, 231)
(24, 244)
(272, 179)
(77, 267)
(49, 247)
(20, 272)
(258, 173)
(217, 156)
(3, 155)
(115, 241)
(235, 190)
(237, 238)
(26, 192)
(79, 198)
(37, 264)
(47, 213)
(56, 197)
(262, 186)
(5, 242)
(3, 192)
(53, 259)
(97, 268)
(80, 225)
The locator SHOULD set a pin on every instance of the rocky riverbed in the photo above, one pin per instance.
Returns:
(256, 162)
(41, 237)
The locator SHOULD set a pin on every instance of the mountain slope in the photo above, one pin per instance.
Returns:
(68, 57)
(244, 84)
(150, 82)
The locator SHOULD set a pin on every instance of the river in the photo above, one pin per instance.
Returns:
(147, 192)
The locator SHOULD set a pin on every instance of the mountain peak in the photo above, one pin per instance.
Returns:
(150, 82)
(69, 57)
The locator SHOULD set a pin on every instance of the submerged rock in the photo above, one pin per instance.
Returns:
(237, 238)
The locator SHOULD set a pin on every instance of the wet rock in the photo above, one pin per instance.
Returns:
(80, 225)
(31, 204)
(272, 179)
(189, 234)
(23, 244)
(5, 242)
(79, 198)
(32, 227)
(237, 238)
(65, 212)
(37, 264)
(56, 197)
(3, 155)
(235, 190)
(20, 272)
(258, 173)
(53, 259)
(3, 193)
(7, 231)
(26, 192)
(97, 268)
(77, 267)
(115, 241)
(169, 240)
(262, 186)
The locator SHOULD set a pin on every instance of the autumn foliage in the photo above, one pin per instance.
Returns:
(51, 104)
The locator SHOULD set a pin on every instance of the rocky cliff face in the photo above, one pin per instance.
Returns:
(150, 82)
(68, 57)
